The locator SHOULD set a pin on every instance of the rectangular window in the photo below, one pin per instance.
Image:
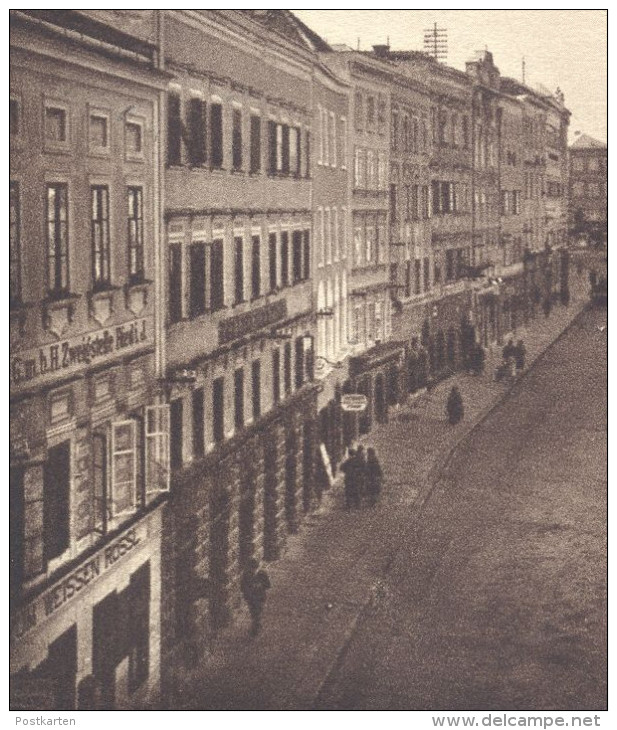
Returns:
(123, 486)
(395, 131)
(255, 267)
(285, 150)
(255, 166)
(217, 289)
(415, 210)
(56, 500)
(325, 137)
(157, 448)
(272, 147)
(296, 238)
(175, 282)
(370, 113)
(55, 124)
(307, 154)
(332, 131)
(99, 232)
(174, 130)
(417, 275)
(450, 270)
(57, 239)
(14, 244)
(256, 388)
(216, 136)
(381, 115)
(408, 279)
(99, 132)
(238, 269)
(272, 261)
(133, 136)
(393, 195)
(425, 202)
(99, 481)
(306, 236)
(294, 158)
(359, 111)
(239, 398)
(236, 139)
(197, 407)
(136, 235)
(175, 432)
(344, 143)
(284, 258)
(287, 368)
(299, 372)
(436, 188)
(197, 131)
(276, 375)
(218, 409)
(427, 282)
(197, 293)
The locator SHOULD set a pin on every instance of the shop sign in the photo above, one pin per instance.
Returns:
(243, 324)
(86, 574)
(39, 364)
(355, 402)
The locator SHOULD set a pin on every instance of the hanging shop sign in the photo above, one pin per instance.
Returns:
(37, 365)
(355, 402)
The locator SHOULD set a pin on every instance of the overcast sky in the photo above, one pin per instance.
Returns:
(565, 48)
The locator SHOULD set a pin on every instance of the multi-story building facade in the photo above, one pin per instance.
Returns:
(588, 187)
(239, 299)
(89, 471)
(374, 362)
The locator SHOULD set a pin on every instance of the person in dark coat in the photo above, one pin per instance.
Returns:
(361, 472)
(254, 585)
(374, 477)
(454, 406)
(350, 468)
(520, 356)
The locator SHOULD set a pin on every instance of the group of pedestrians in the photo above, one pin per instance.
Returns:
(513, 358)
(363, 477)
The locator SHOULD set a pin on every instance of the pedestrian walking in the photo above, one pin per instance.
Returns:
(508, 354)
(519, 356)
(454, 406)
(350, 468)
(254, 585)
(374, 477)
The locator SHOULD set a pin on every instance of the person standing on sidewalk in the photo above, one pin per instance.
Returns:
(361, 480)
(350, 468)
(255, 584)
(454, 406)
(374, 477)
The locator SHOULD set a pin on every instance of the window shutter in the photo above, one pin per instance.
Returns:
(122, 496)
(157, 448)
(271, 147)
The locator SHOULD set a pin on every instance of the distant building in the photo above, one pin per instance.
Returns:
(588, 187)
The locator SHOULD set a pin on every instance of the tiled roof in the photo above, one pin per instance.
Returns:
(285, 23)
(587, 142)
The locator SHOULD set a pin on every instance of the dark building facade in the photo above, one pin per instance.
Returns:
(89, 464)
(240, 321)
(588, 187)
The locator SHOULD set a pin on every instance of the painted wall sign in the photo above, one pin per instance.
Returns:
(240, 325)
(354, 402)
(76, 353)
(65, 590)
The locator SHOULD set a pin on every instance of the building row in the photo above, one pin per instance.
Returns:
(219, 226)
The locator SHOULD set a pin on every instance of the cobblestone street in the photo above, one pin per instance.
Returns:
(335, 581)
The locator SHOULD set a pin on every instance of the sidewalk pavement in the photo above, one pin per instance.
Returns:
(330, 572)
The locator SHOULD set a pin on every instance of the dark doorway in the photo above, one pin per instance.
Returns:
(291, 448)
(270, 501)
(381, 407)
(246, 517)
(105, 617)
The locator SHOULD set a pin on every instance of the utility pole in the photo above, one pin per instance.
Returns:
(436, 42)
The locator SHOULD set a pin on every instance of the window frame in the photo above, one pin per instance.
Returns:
(60, 253)
(97, 150)
(135, 242)
(61, 145)
(100, 257)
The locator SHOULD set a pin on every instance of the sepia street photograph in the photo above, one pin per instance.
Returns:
(308, 380)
